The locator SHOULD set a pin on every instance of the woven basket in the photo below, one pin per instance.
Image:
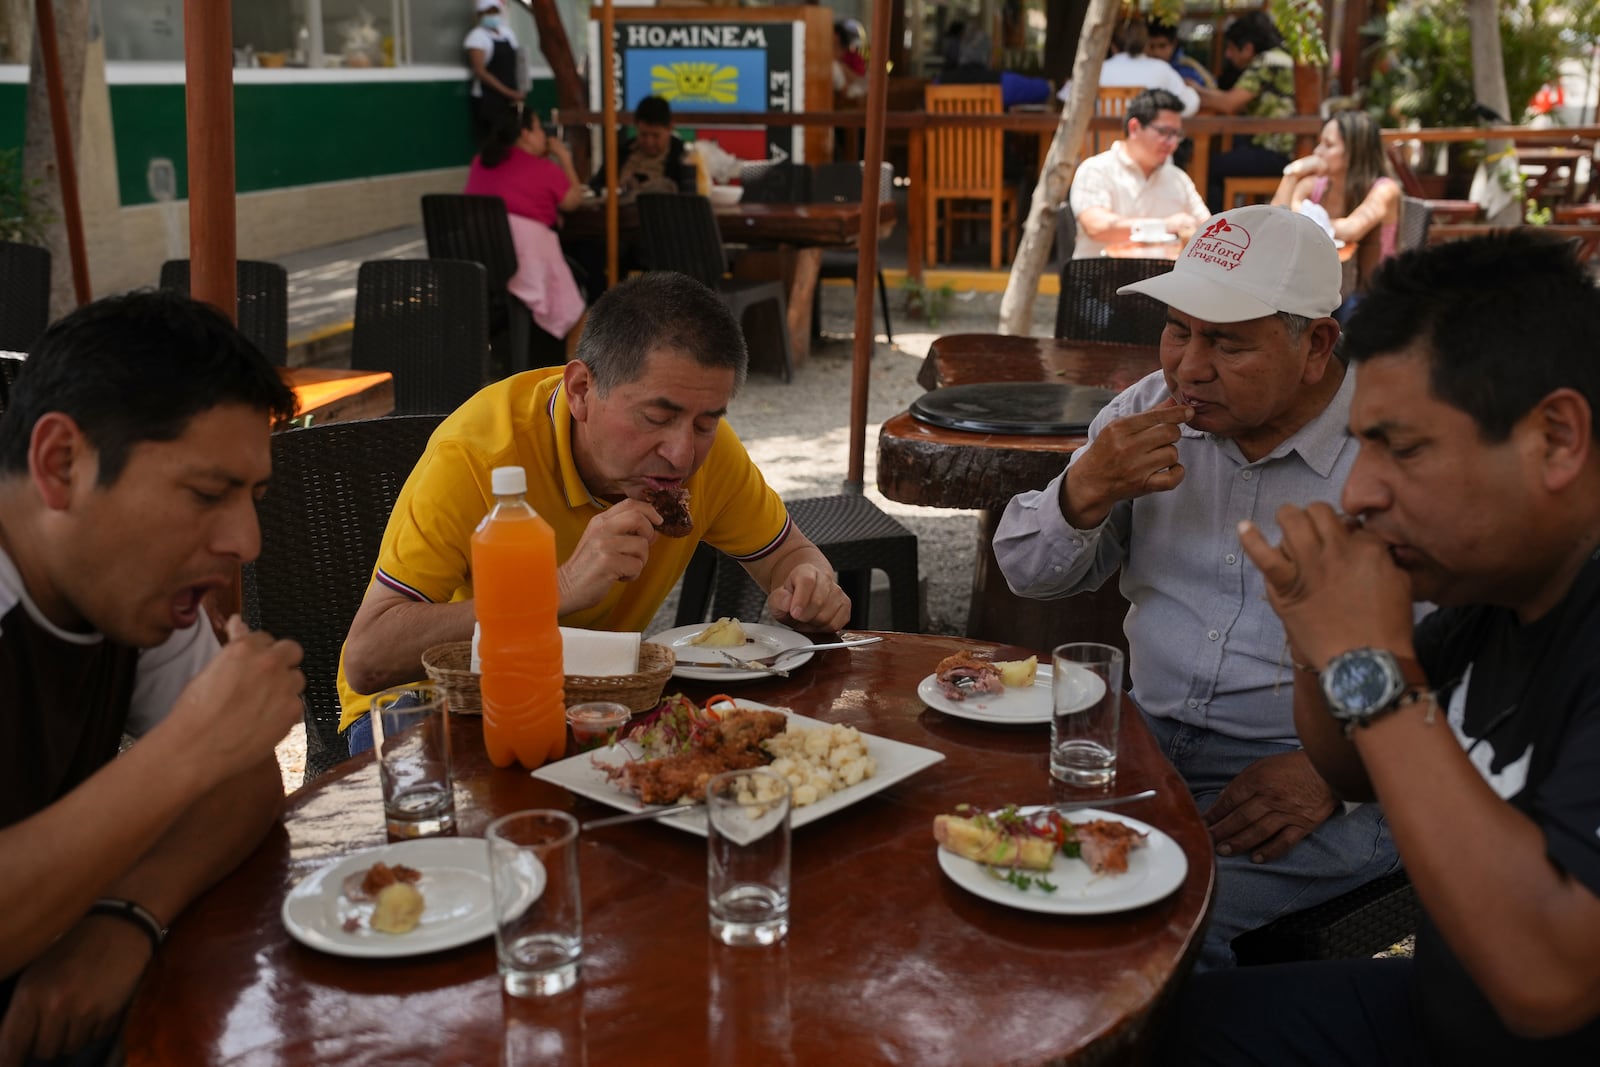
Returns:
(447, 665)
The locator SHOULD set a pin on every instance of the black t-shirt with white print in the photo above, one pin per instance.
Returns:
(1524, 701)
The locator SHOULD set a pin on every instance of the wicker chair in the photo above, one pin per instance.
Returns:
(427, 321)
(333, 487)
(1361, 923)
(263, 291)
(24, 295)
(775, 183)
(1089, 308)
(476, 228)
(9, 366)
(680, 233)
(851, 531)
(1416, 219)
(840, 183)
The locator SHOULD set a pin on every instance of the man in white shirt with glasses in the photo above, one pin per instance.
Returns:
(1133, 183)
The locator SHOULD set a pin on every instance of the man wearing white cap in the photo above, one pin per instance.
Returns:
(1248, 412)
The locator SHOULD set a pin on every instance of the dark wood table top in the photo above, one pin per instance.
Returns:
(937, 467)
(887, 961)
(796, 224)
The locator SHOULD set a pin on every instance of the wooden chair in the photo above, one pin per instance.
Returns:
(965, 171)
(1111, 100)
(263, 290)
(427, 322)
(1442, 211)
(1090, 309)
(1248, 190)
(24, 295)
(333, 487)
(680, 233)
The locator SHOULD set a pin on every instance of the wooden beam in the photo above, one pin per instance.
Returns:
(61, 133)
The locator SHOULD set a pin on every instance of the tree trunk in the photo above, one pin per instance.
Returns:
(1489, 85)
(39, 146)
(16, 30)
(558, 53)
(1022, 288)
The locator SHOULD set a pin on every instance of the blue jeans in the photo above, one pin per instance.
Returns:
(358, 735)
(1350, 849)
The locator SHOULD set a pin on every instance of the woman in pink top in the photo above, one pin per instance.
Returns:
(1348, 175)
(532, 172)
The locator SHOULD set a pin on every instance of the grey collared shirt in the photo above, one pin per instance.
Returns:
(1205, 647)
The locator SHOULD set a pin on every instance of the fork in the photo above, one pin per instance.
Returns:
(770, 663)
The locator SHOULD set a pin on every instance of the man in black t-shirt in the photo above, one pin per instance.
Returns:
(132, 452)
(1477, 487)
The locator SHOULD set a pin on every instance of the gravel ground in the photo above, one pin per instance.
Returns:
(799, 435)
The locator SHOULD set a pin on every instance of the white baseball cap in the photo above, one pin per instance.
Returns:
(1249, 263)
(488, 5)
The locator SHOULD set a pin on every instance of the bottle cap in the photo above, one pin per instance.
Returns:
(508, 481)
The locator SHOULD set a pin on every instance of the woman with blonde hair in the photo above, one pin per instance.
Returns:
(1348, 177)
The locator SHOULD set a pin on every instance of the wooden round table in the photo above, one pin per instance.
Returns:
(887, 960)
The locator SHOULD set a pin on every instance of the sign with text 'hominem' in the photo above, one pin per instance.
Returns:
(712, 66)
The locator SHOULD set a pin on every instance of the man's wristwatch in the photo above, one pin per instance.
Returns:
(1366, 683)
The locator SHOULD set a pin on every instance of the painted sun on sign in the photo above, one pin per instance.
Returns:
(687, 82)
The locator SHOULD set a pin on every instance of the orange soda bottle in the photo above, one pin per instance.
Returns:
(516, 599)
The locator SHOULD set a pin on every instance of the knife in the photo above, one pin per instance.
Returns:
(1103, 802)
(636, 816)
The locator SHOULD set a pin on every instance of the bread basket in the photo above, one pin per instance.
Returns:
(448, 666)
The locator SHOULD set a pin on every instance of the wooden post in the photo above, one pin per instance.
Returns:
(608, 132)
(208, 102)
(213, 243)
(867, 247)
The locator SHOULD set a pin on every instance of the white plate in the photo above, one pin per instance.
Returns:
(896, 761)
(1025, 704)
(1164, 239)
(1154, 871)
(761, 640)
(458, 901)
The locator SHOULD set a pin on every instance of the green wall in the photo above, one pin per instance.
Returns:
(13, 113)
(300, 134)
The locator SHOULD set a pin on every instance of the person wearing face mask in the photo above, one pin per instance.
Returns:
(492, 54)
(638, 412)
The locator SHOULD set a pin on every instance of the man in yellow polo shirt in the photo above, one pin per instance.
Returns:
(641, 408)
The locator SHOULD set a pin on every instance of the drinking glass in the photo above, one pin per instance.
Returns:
(1086, 696)
(538, 911)
(747, 857)
(411, 732)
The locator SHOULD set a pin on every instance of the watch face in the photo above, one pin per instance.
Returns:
(1360, 683)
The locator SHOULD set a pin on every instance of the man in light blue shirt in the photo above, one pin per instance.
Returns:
(1248, 412)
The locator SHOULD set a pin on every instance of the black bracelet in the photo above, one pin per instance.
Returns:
(132, 912)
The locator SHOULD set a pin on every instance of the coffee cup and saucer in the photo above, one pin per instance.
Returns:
(1152, 232)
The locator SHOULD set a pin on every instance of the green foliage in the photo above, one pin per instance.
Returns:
(923, 302)
(1423, 71)
(1300, 23)
(23, 213)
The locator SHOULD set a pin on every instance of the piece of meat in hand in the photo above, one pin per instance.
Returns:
(672, 504)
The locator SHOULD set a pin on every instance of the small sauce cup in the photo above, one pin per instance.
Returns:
(595, 725)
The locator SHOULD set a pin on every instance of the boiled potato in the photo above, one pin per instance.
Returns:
(724, 633)
(399, 909)
(1017, 673)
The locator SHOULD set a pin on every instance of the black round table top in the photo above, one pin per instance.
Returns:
(1013, 407)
